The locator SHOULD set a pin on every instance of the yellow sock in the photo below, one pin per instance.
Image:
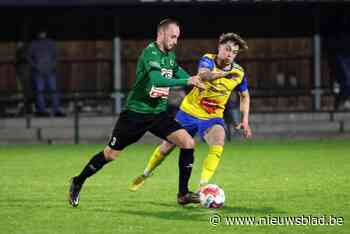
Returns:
(155, 160)
(211, 163)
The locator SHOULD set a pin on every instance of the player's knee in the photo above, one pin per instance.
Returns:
(187, 143)
(220, 142)
(110, 154)
(191, 143)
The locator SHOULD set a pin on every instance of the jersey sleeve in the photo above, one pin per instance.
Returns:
(181, 74)
(243, 86)
(206, 62)
(160, 81)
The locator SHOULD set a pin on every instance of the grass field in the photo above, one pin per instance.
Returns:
(260, 179)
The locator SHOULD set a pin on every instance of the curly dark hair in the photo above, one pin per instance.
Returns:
(235, 38)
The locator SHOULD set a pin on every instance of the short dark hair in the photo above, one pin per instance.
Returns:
(235, 38)
(166, 22)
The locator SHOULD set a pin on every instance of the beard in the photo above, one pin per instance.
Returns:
(169, 47)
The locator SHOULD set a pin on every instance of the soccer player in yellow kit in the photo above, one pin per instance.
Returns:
(201, 111)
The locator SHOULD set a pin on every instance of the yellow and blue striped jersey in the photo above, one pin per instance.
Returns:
(210, 103)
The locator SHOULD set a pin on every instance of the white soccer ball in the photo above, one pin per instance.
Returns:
(212, 196)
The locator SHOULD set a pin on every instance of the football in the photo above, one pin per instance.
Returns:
(211, 196)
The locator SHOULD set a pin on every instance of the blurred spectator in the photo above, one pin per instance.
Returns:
(338, 51)
(343, 78)
(280, 79)
(23, 74)
(293, 81)
(42, 56)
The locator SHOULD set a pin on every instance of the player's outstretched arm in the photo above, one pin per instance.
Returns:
(196, 81)
(206, 75)
(158, 80)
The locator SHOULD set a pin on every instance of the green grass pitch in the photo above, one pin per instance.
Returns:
(260, 179)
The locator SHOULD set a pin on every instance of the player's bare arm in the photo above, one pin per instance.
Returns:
(206, 75)
(196, 81)
(244, 108)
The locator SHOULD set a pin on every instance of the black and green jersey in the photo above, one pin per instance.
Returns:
(156, 71)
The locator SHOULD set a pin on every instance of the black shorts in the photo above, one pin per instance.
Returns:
(131, 126)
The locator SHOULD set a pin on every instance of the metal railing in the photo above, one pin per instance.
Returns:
(78, 100)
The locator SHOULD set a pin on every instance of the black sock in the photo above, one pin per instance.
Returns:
(185, 169)
(94, 165)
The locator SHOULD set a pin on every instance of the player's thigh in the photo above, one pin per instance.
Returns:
(188, 122)
(163, 125)
(128, 129)
(167, 128)
(215, 135)
(182, 139)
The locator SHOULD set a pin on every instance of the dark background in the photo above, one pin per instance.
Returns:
(138, 21)
(280, 35)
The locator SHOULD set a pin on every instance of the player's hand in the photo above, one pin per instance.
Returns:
(247, 131)
(196, 81)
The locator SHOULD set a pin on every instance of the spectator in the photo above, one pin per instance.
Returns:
(343, 64)
(337, 46)
(42, 56)
(23, 74)
(339, 56)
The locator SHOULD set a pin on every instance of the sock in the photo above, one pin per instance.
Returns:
(155, 160)
(185, 169)
(211, 163)
(94, 165)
